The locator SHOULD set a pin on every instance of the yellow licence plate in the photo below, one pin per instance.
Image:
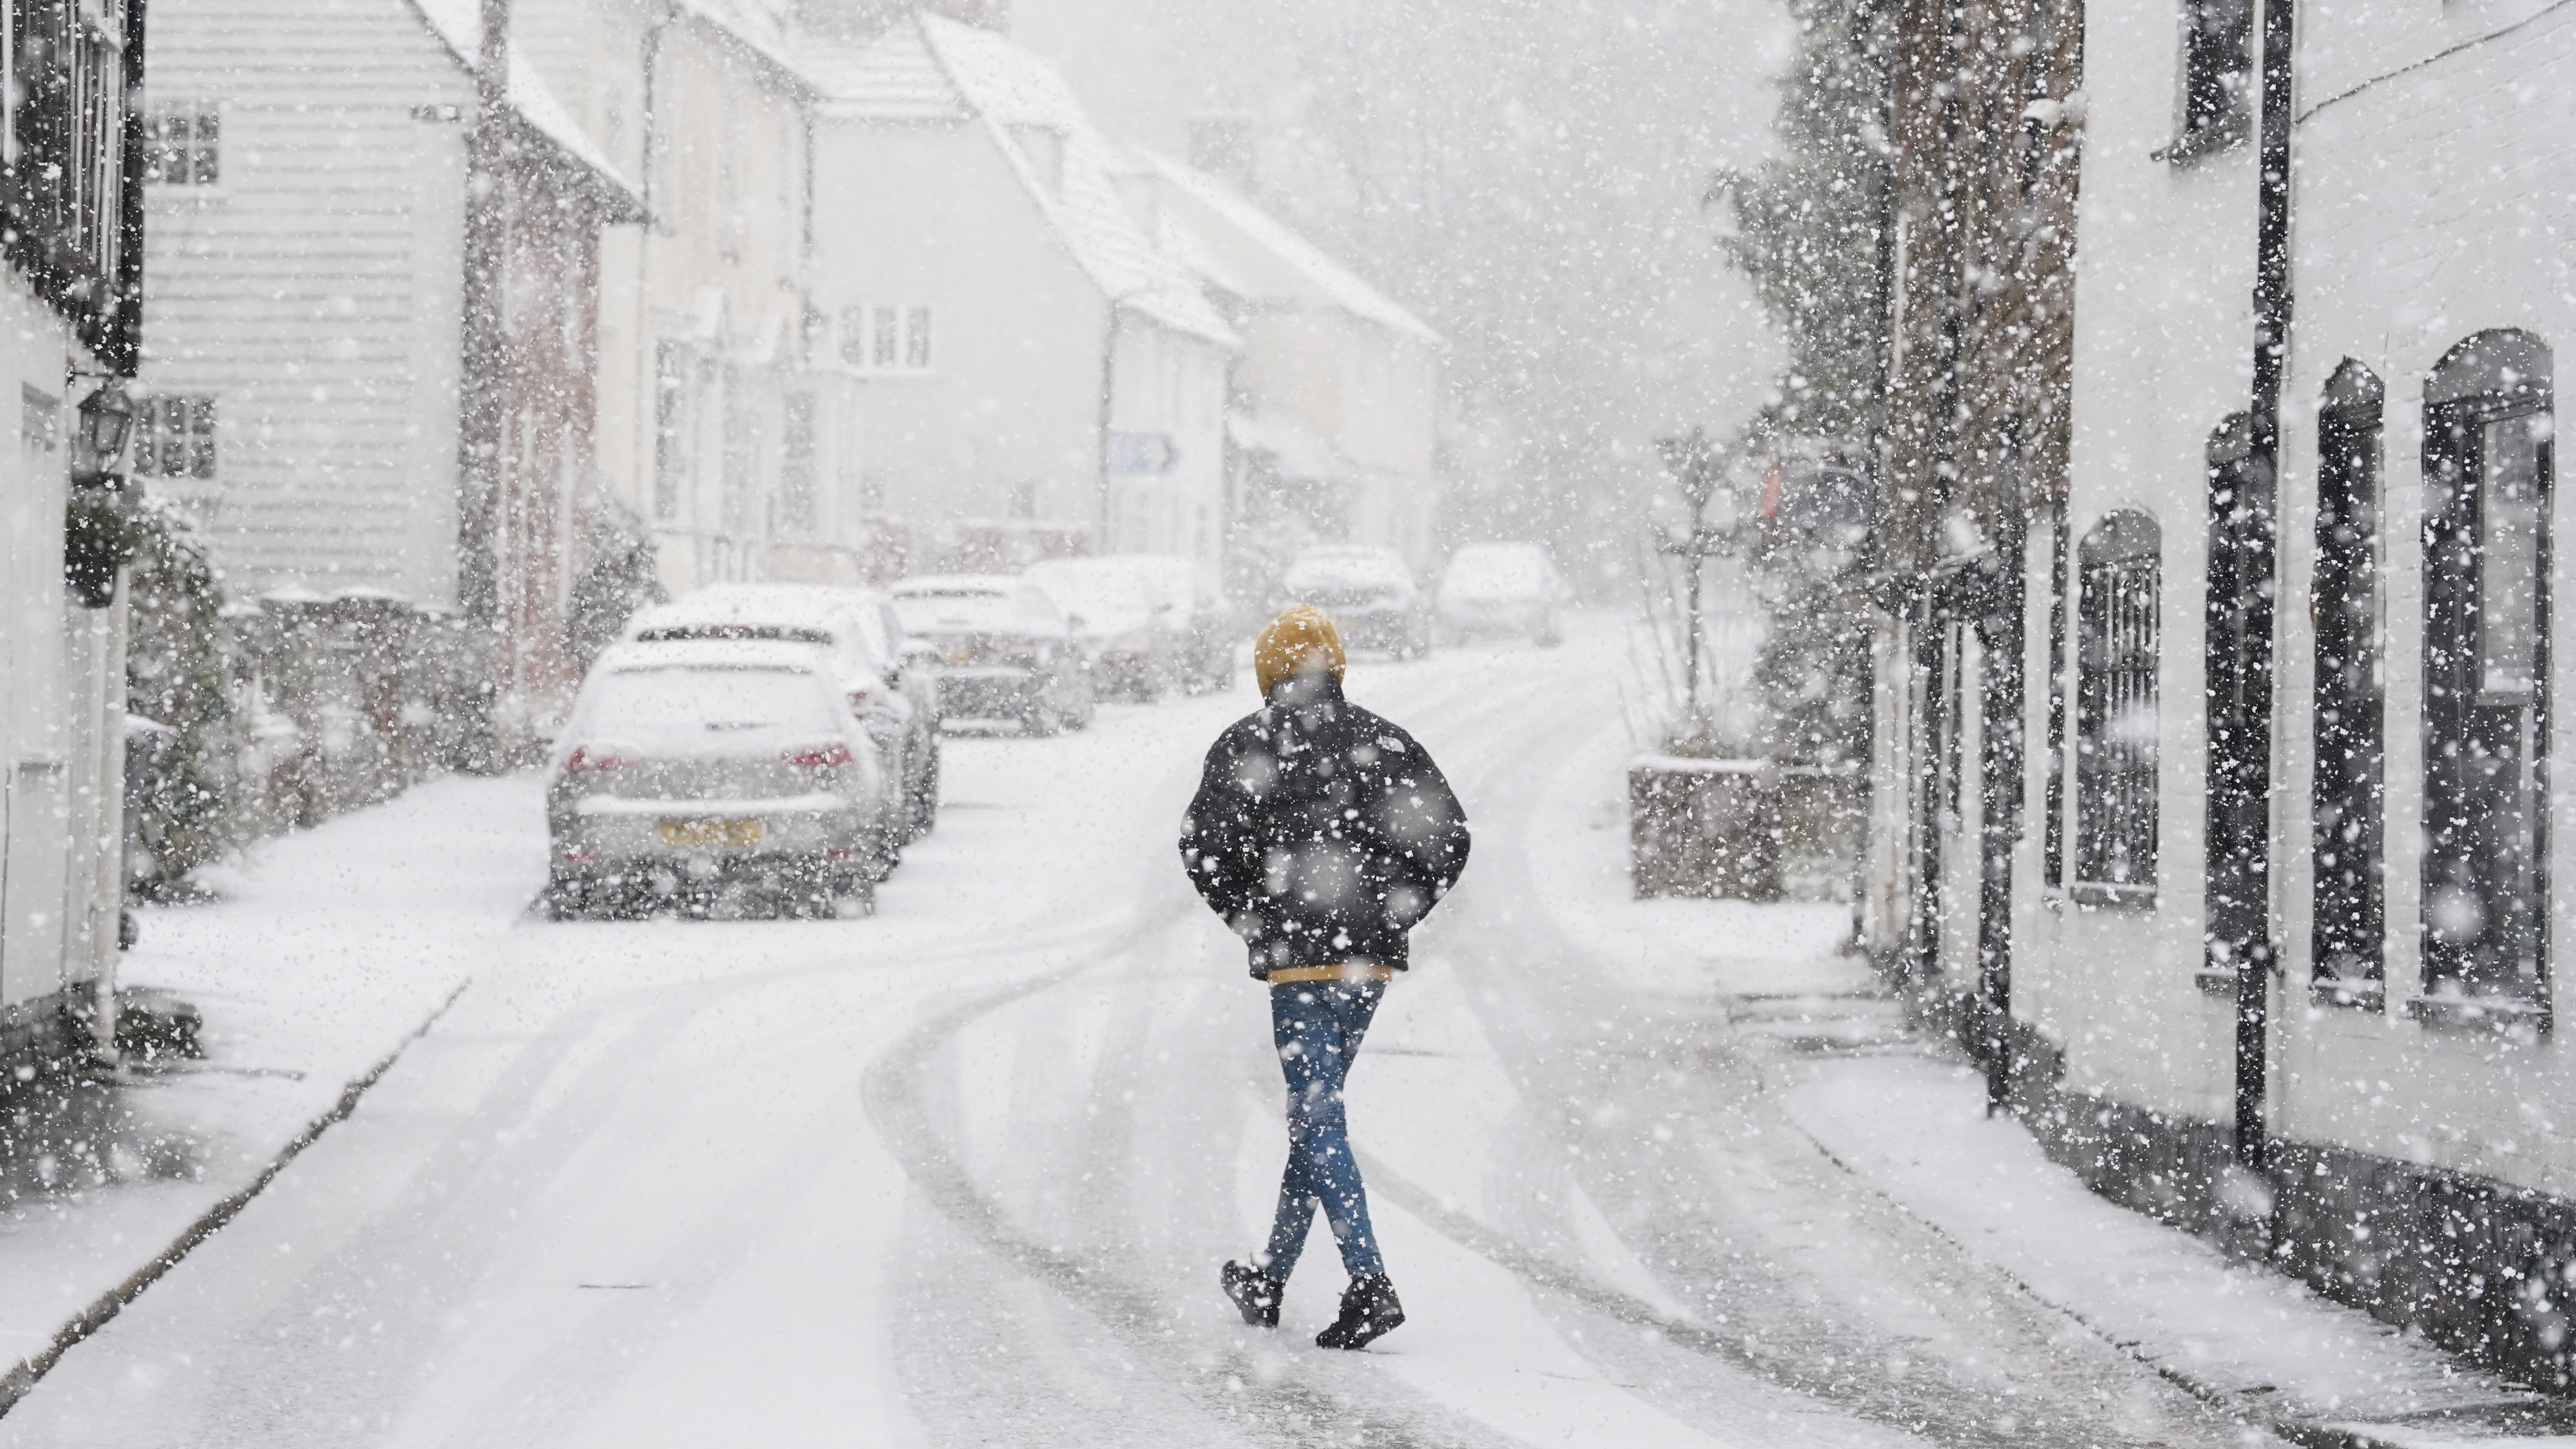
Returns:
(961, 653)
(710, 832)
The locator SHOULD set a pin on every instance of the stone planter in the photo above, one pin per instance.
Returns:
(1704, 828)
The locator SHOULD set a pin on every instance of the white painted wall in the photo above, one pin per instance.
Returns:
(934, 214)
(2427, 209)
(62, 694)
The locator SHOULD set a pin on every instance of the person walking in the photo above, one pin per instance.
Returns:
(1322, 834)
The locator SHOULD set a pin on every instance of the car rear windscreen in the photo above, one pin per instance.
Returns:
(703, 709)
(961, 612)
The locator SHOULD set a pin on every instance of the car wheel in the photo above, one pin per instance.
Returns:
(1079, 717)
(1040, 720)
(567, 898)
(853, 896)
(925, 796)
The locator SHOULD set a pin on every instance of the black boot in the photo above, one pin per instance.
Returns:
(1255, 1293)
(1369, 1311)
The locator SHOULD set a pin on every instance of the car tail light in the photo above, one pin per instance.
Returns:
(595, 757)
(819, 756)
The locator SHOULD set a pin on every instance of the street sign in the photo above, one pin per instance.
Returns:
(1141, 452)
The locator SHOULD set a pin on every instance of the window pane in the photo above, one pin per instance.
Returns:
(2509, 559)
(884, 354)
(916, 338)
(854, 336)
(206, 171)
(201, 436)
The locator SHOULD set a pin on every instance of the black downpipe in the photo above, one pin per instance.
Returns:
(2257, 567)
(2000, 770)
(122, 353)
(1930, 639)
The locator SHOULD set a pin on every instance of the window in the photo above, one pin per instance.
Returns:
(2216, 102)
(916, 338)
(2348, 903)
(740, 450)
(2116, 717)
(2053, 832)
(182, 146)
(796, 462)
(174, 437)
(2487, 473)
(671, 426)
(886, 338)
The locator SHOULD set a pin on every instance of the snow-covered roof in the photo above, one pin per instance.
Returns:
(926, 68)
(1296, 272)
(459, 26)
(1296, 449)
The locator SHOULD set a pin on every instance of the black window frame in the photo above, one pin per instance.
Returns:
(183, 145)
(2118, 662)
(2490, 379)
(2347, 605)
(175, 436)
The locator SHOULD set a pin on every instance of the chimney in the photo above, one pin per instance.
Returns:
(1221, 146)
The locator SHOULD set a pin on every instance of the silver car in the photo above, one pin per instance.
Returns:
(857, 628)
(1502, 589)
(694, 774)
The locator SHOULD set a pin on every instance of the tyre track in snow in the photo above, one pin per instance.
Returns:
(1246, 1395)
(1751, 1219)
(1241, 1389)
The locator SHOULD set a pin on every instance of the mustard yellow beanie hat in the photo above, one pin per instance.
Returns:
(1293, 643)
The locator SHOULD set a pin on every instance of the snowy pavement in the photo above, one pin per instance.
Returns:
(1656, 1173)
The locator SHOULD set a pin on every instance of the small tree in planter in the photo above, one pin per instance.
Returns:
(178, 671)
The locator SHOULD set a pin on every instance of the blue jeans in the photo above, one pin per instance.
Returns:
(1318, 1026)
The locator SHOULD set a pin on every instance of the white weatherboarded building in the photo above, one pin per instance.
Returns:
(1037, 373)
(306, 276)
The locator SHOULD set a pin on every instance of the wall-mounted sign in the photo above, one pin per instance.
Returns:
(1141, 452)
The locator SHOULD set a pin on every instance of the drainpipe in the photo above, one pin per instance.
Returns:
(483, 383)
(2253, 955)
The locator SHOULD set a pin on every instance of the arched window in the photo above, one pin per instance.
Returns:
(2116, 719)
(2348, 905)
(2487, 476)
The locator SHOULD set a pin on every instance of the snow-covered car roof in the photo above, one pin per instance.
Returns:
(709, 654)
(960, 585)
(1348, 563)
(1499, 570)
(800, 613)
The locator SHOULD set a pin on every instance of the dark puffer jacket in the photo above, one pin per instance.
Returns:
(1321, 832)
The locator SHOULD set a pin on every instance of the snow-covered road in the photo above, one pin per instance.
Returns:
(962, 1174)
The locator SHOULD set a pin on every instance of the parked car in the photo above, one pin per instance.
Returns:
(1370, 594)
(1194, 609)
(691, 771)
(1117, 617)
(857, 629)
(1004, 651)
(1502, 589)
